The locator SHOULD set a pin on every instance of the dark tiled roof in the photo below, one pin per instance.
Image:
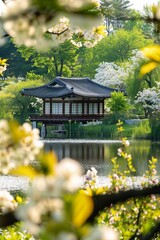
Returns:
(61, 87)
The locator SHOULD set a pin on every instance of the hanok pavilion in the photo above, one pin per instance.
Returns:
(69, 99)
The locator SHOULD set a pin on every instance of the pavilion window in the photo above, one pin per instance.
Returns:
(90, 108)
(47, 107)
(79, 108)
(101, 108)
(85, 108)
(95, 108)
(57, 108)
(74, 108)
(67, 108)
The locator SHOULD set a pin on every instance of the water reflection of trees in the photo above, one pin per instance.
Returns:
(141, 152)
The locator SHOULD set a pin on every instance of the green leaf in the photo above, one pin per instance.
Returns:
(82, 208)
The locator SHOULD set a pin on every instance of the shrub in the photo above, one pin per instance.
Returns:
(143, 130)
(155, 128)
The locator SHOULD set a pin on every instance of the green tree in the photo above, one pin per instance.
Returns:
(118, 105)
(134, 20)
(14, 105)
(119, 46)
(17, 66)
(115, 13)
(87, 62)
(135, 83)
(59, 61)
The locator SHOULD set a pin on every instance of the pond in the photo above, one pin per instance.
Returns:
(93, 153)
(98, 154)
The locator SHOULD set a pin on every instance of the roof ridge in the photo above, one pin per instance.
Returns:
(73, 78)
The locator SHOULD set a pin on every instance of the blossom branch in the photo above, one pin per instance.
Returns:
(104, 201)
(100, 203)
(56, 33)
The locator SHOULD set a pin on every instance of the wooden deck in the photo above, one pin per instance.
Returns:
(57, 119)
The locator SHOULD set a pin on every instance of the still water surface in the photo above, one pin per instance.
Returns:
(98, 154)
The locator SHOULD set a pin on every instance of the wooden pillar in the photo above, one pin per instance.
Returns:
(103, 106)
(50, 106)
(98, 106)
(34, 124)
(70, 107)
(43, 131)
(43, 106)
(87, 106)
(83, 107)
(63, 106)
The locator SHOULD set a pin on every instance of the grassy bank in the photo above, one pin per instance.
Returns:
(106, 131)
(103, 131)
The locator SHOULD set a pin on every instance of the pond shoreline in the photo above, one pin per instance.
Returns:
(14, 183)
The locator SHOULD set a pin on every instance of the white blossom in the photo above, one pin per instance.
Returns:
(91, 178)
(110, 74)
(28, 28)
(149, 98)
(46, 197)
(66, 235)
(125, 142)
(68, 175)
(2, 69)
(119, 151)
(17, 150)
(102, 233)
(7, 202)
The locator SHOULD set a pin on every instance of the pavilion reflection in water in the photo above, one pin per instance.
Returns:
(90, 152)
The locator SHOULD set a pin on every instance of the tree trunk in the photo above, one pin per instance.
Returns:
(61, 68)
(56, 66)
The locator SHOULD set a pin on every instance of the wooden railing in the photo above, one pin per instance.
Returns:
(65, 118)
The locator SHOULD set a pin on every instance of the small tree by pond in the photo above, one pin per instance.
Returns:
(118, 105)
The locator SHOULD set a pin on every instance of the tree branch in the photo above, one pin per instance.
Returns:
(100, 203)
(8, 219)
(103, 201)
(58, 34)
(137, 223)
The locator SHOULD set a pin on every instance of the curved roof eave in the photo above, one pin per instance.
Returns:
(90, 96)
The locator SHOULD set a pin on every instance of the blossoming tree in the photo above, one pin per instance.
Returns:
(110, 74)
(149, 99)
(43, 25)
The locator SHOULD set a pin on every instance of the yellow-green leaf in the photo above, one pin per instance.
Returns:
(47, 162)
(19, 199)
(3, 61)
(17, 131)
(152, 53)
(88, 191)
(26, 171)
(148, 68)
(82, 208)
(100, 30)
